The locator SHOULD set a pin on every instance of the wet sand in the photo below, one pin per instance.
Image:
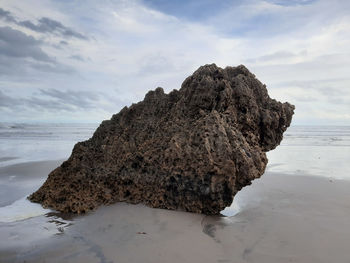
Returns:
(282, 218)
(18, 180)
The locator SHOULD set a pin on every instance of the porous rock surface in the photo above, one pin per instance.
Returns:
(192, 149)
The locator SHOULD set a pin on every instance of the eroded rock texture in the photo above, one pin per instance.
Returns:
(192, 149)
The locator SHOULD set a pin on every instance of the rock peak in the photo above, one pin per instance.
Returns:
(192, 149)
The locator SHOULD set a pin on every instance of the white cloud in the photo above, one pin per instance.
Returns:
(298, 50)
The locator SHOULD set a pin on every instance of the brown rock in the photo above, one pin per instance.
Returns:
(192, 149)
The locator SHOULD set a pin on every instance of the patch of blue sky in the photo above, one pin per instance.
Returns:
(263, 24)
(195, 10)
(232, 17)
(192, 10)
(292, 2)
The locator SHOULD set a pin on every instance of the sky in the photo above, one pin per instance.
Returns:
(82, 61)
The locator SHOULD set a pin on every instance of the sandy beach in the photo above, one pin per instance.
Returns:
(18, 180)
(281, 218)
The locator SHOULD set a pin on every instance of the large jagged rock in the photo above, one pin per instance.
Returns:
(192, 149)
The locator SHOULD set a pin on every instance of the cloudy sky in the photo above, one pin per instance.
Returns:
(82, 61)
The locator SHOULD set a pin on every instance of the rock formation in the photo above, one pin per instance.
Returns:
(192, 149)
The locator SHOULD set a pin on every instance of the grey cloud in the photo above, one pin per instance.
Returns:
(277, 56)
(14, 43)
(336, 95)
(48, 25)
(19, 69)
(43, 25)
(80, 99)
(18, 103)
(53, 68)
(21, 56)
(61, 45)
(154, 64)
(46, 104)
(326, 90)
(77, 57)
(7, 16)
(334, 88)
(6, 101)
(327, 86)
(305, 98)
(52, 100)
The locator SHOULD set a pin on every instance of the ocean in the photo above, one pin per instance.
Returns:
(312, 150)
(38, 142)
